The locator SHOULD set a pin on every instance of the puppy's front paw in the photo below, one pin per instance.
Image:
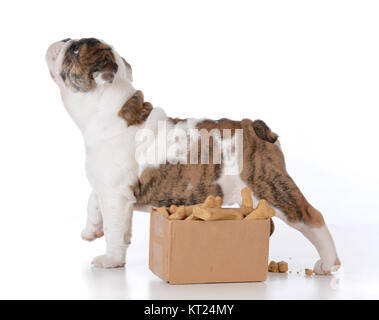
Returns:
(92, 234)
(106, 261)
(324, 268)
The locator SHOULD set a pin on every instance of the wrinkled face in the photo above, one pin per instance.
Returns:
(82, 65)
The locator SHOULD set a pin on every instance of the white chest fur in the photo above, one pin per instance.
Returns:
(109, 142)
(110, 163)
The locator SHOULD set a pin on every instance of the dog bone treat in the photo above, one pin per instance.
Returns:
(173, 209)
(211, 209)
(163, 211)
(219, 202)
(273, 267)
(283, 266)
(308, 272)
(217, 214)
(210, 202)
(263, 211)
(247, 201)
(189, 209)
(180, 214)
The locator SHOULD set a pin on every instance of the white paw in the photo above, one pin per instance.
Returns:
(91, 234)
(325, 268)
(105, 261)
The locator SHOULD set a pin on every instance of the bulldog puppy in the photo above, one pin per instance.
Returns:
(130, 166)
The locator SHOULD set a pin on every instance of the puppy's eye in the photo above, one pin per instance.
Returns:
(75, 49)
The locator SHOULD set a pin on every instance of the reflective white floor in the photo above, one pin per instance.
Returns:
(59, 267)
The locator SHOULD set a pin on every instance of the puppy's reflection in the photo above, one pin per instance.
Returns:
(105, 283)
(159, 289)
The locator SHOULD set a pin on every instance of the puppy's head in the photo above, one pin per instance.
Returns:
(82, 65)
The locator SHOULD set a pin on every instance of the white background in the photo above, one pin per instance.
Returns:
(309, 69)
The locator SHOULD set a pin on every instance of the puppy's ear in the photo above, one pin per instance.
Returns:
(135, 111)
(128, 69)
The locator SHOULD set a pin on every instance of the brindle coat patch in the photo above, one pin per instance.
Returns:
(135, 111)
(178, 184)
(264, 172)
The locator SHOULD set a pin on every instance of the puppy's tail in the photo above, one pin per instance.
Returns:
(264, 132)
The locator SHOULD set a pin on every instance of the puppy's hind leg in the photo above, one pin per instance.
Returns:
(277, 187)
(318, 234)
(94, 225)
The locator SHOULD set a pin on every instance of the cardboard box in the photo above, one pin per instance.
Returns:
(208, 251)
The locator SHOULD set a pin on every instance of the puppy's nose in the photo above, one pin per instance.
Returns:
(53, 51)
(65, 40)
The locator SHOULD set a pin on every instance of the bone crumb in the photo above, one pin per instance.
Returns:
(273, 267)
(308, 272)
(283, 266)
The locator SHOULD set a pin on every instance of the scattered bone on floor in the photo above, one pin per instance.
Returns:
(308, 272)
(280, 266)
